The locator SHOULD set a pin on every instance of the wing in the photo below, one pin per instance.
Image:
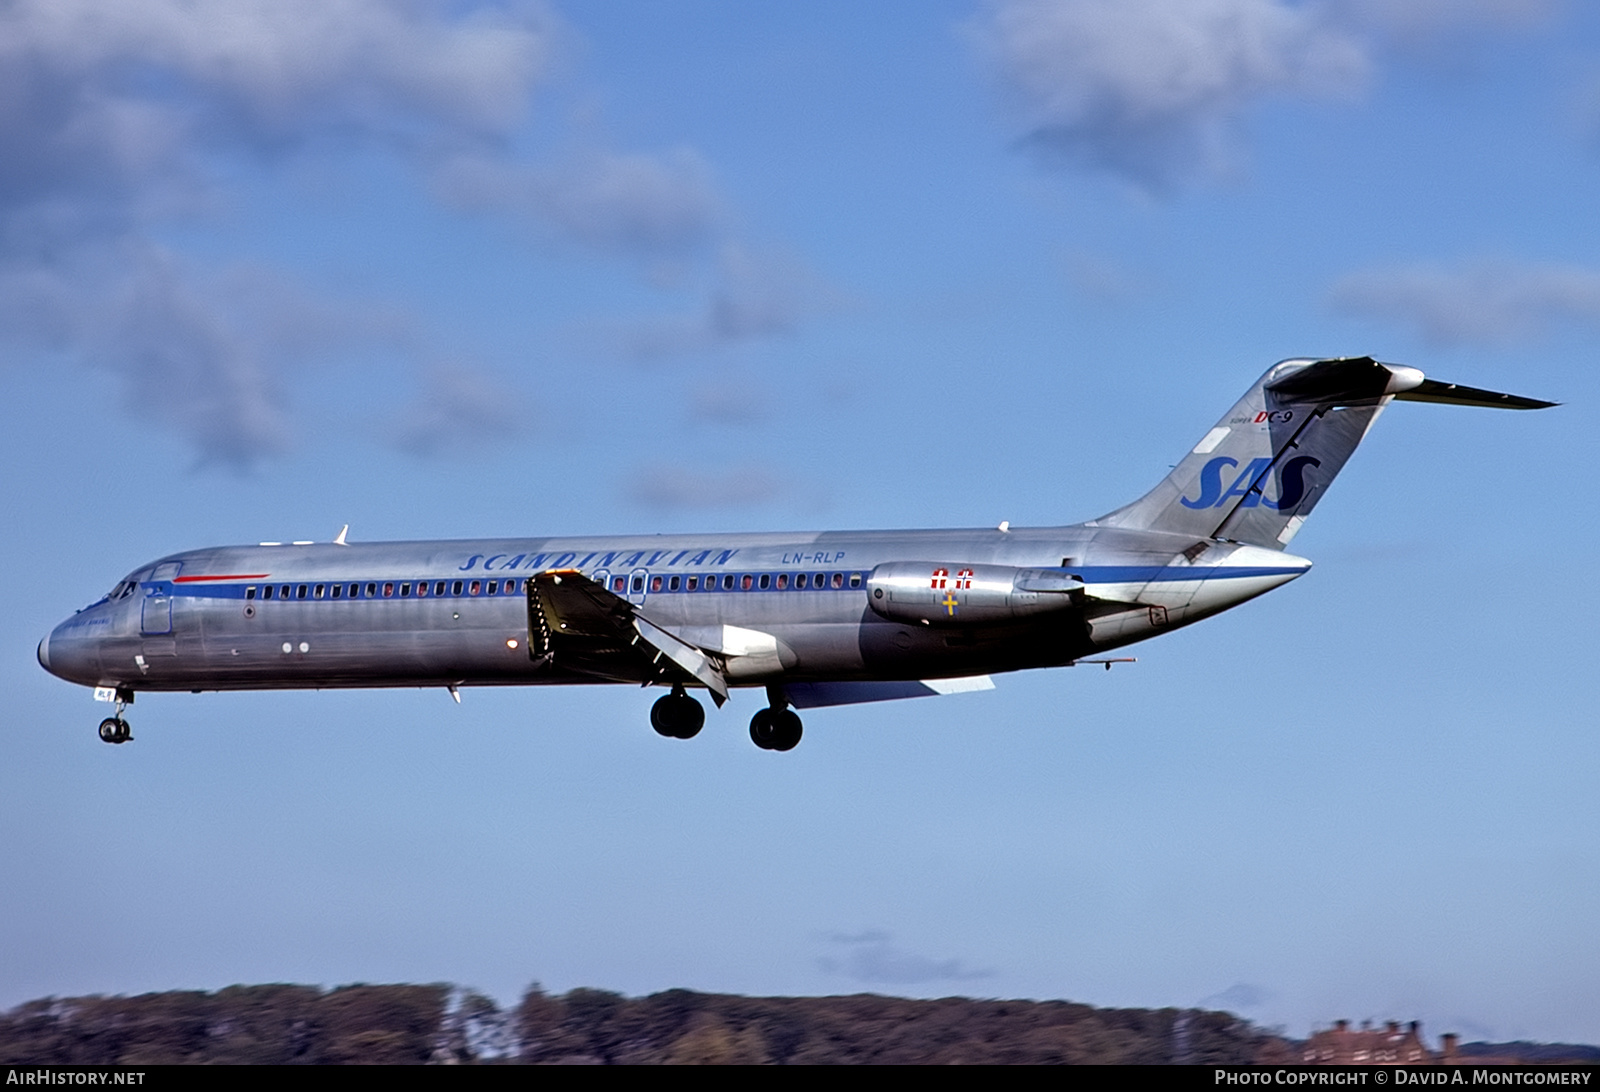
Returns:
(818, 694)
(579, 625)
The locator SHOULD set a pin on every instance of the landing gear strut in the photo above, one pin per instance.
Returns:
(677, 716)
(114, 729)
(776, 728)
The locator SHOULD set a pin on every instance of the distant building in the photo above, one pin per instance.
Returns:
(1367, 1045)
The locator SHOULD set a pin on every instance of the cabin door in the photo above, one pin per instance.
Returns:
(155, 617)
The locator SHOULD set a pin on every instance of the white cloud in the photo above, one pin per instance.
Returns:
(752, 295)
(205, 353)
(670, 486)
(459, 408)
(186, 365)
(635, 203)
(1157, 89)
(1237, 998)
(119, 119)
(283, 63)
(111, 115)
(1105, 280)
(728, 401)
(871, 957)
(1161, 91)
(1486, 302)
(1422, 22)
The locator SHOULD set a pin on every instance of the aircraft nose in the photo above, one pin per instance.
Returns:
(67, 654)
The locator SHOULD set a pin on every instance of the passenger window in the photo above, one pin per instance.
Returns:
(783, 581)
(422, 588)
(438, 589)
(819, 581)
(475, 587)
(744, 582)
(619, 584)
(355, 591)
(727, 582)
(372, 590)
(455, 589)
(838, 580)
(249, 593)
(655, 583)
(494, 587)
(336, 590)
(855, 580)
(672, 585)
(300, 592)
(388, 590)
(800, 580)
(765, 581)
(283, 591)
(638, 584)
(316, 592)
(405, 590)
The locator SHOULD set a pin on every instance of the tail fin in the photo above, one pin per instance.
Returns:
(1256, 476)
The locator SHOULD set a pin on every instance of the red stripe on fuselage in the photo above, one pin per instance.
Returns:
(225, 576)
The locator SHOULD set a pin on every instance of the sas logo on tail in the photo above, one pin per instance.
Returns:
(1212, 495)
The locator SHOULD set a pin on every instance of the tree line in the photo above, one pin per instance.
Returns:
(418, 1024)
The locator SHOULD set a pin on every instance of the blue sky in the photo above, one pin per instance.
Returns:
(456, 269)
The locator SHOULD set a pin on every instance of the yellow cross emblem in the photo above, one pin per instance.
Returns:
(949, 603)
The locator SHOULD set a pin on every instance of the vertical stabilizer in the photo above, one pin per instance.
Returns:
(1256, 476)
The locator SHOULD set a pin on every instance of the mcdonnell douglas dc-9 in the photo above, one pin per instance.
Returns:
(813, 619)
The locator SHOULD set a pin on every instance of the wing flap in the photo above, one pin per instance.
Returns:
(690, 658)
(575, 622)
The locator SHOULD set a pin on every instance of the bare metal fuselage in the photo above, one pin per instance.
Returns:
(774, 608)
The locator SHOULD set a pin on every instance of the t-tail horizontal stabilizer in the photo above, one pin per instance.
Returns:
(1256, 476)
(1431, 390)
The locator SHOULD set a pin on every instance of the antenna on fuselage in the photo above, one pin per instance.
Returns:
(339, 541)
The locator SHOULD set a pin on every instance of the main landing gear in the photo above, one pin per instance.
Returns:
(776, 728)
(677, 716)
(114, 729)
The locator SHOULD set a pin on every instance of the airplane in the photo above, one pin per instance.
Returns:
(813, 619)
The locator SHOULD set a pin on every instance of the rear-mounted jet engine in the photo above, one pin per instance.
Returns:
(952, 594)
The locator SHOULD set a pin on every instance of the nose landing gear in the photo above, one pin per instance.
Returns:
(677, 716)
(114, 729)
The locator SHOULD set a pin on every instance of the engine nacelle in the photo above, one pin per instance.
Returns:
(940, 593)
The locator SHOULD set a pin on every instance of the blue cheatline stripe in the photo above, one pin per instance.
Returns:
(1132, 574)
(1090, 574)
